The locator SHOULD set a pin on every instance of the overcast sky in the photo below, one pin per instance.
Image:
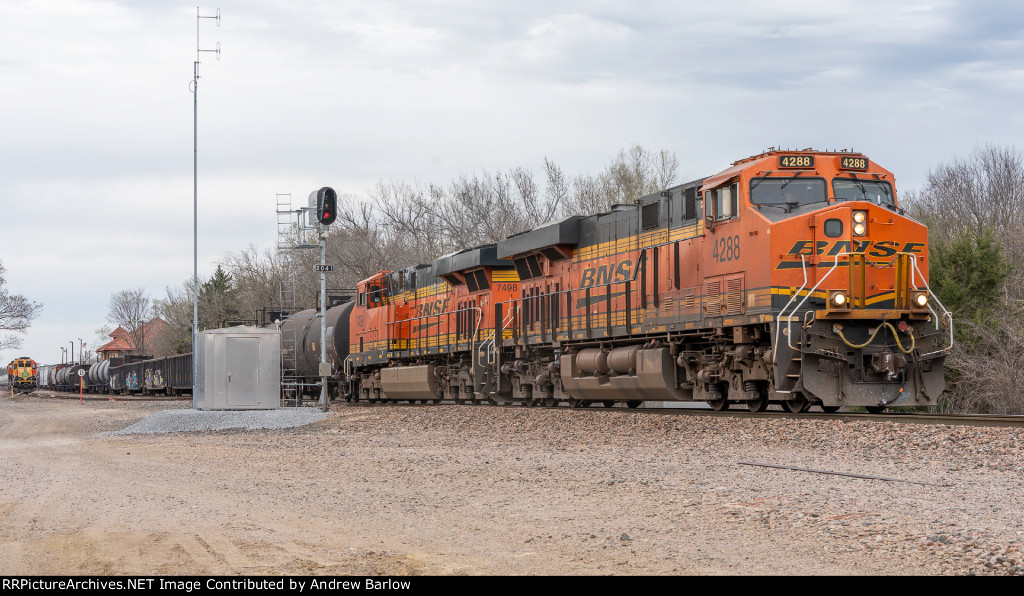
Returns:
(96, 147)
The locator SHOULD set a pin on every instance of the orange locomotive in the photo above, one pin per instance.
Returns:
(792, 277)
(417, 334)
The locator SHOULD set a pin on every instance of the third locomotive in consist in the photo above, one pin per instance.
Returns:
(792, 277)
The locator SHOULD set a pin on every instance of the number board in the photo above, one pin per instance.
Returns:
(325, 267)
(796, 161)
(853, 163)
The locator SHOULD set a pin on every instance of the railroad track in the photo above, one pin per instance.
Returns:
(697, 410)
(897, 417)
(103, 396)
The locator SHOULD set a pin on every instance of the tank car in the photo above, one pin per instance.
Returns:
(792, 277)
(301, 347)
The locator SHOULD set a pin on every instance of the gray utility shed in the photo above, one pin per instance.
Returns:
(239, 369)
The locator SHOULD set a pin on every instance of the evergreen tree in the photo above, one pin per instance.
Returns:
(967, 275)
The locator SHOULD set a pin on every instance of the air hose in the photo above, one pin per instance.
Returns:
(913, 342)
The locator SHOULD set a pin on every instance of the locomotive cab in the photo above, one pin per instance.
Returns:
(854, 320)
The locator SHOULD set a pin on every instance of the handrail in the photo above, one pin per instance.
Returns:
(945, 316)
(447, 315)
(504, 325)
(472, 341)
(789, 319)
(775, 348)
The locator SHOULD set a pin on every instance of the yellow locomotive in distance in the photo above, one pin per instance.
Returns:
(22, 374)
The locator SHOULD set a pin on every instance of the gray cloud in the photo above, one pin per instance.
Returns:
(98, 115)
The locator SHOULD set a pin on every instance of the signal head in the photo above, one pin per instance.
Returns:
(326, 205)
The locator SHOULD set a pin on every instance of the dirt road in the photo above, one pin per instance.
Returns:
(444, 490)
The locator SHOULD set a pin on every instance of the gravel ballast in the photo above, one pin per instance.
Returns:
(170, 421)
(450, 490)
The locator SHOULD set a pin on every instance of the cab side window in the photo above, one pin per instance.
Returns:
(722, 202)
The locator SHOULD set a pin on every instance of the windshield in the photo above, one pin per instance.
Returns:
(787, 191)
(879, 193)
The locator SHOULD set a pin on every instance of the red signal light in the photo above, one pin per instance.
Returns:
(326, 201)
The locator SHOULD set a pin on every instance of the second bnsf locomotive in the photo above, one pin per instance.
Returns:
(792, 277)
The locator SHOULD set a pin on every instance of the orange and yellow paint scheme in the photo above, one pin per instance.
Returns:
(791, 277)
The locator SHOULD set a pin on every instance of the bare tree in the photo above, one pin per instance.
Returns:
(130, 310)
(176, 310)
(410, 223)
(974, 207)
(633, 173)
(970, 194)
(16, 313)
(361, 244)
(258, 276)
(987, 373)
(487, 208)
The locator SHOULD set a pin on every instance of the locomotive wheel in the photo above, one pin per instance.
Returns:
(633, 404)
(549, 402)
(758, 405)
(830, 409)
(577, 403)
(875, 409)
(794, 406)
(608, 403)
(719, 404)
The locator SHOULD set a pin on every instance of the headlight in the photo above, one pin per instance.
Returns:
(838, 299)
(859, 229)
(919, 299)
(860, 216)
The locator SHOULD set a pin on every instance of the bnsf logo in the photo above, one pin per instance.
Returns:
(601, 275)
(428, 309)
(882, 248)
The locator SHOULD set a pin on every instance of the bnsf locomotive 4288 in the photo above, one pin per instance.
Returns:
(792, 277)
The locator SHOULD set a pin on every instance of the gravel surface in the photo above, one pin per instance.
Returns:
(170, 421)
(449, 490)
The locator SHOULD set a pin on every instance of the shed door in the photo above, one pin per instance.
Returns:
(243, 359)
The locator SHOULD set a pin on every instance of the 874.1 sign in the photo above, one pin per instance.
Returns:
(325, 267)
